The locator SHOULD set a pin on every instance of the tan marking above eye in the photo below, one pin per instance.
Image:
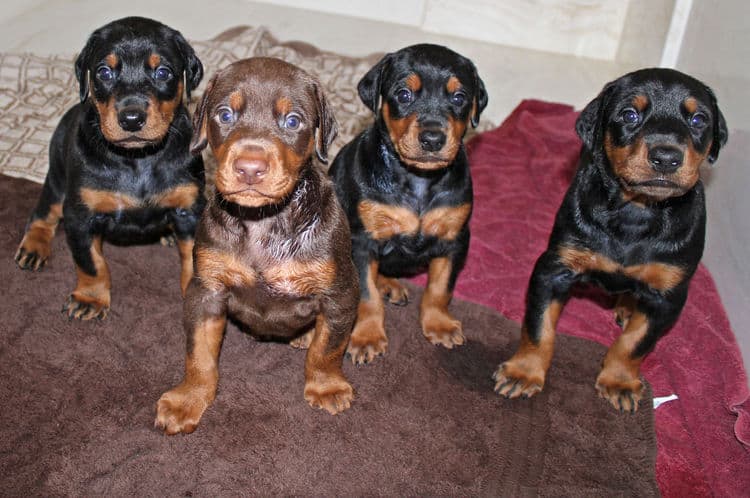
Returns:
(283, 106)
(413, 82)
(691, 105)
(154, 60)
(640, 102)
(236, 101)
(659, 276)
(112, 60)
(453, 84)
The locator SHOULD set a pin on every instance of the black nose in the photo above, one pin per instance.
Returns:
(131, 118)
(665, 159)
(432, 140)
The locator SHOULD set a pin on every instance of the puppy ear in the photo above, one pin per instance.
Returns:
(200, 125)
(590, 121)
(480, 100)
(369, 85)
(327, 127)
(81, 65)
(721, 134)
(193, 65)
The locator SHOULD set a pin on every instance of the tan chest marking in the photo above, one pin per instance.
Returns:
(384, 221)
(301, 277)
(219, 270)
(108, 201)
(659, 276)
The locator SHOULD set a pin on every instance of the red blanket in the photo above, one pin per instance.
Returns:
(521, 171)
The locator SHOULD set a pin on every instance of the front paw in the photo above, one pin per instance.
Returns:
(180, 409)
(392, 290)
(519, 377)
(622, 389)
(80, 306)
(367, 342)
(330, 392)
(31, 259)
(442, 329)
(303, 341)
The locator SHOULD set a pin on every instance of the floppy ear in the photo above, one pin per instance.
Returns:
(721, 134)
(480, 100)
(193, 65)
(369, 85)
(200, 132)
(590, 121)
(81, 65)
(326, 127)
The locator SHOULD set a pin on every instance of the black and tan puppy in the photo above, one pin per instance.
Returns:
(405, 185)
(633, 222)
(272, 249)
(120, 167)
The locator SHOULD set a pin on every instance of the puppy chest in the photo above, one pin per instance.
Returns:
(385, 221)
(266, 312)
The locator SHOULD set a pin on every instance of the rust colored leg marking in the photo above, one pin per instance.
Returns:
(391, 289)
(90, 299)
(368, 338)
(525, 372)
(181, 408)
(619, 382)
(36, 246)
(185, 247)
(325, 384)
(438, 326)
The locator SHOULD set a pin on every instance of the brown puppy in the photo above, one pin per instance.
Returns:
(273, 248)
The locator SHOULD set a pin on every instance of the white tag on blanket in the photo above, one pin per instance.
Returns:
(663, 399)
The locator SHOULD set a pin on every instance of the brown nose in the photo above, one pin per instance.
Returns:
(250, 171)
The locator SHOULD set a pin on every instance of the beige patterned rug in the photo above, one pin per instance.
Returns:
(36, 91)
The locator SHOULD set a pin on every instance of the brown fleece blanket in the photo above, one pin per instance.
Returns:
(77, 402)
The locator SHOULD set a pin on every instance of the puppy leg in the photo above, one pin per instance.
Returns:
(325, 384)
(36, 246)
(391, 289)
(185, 248)
(181, 408)
(619, 379)
(525, 372)
(303, 341)
(438, 326)
(91, 297)
(368, 340)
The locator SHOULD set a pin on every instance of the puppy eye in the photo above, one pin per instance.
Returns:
(292, 121)
(698, 120)
(630, 116)
(226, 115)
(458, 98)
(104, 73)
(404, 96)
(162, 73)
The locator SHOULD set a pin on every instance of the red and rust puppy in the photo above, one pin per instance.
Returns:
(405, 185)
(120, 167)
(633, 222)
(273, 248)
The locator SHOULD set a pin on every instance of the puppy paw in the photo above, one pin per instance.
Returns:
(80, 306)
(516, 378)
(168, 240)
(331, 393)
(392, 290)
(33, 259)
(303, 341)
(368, 341)
(620, 388)
(442, 329)
(180, 409)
